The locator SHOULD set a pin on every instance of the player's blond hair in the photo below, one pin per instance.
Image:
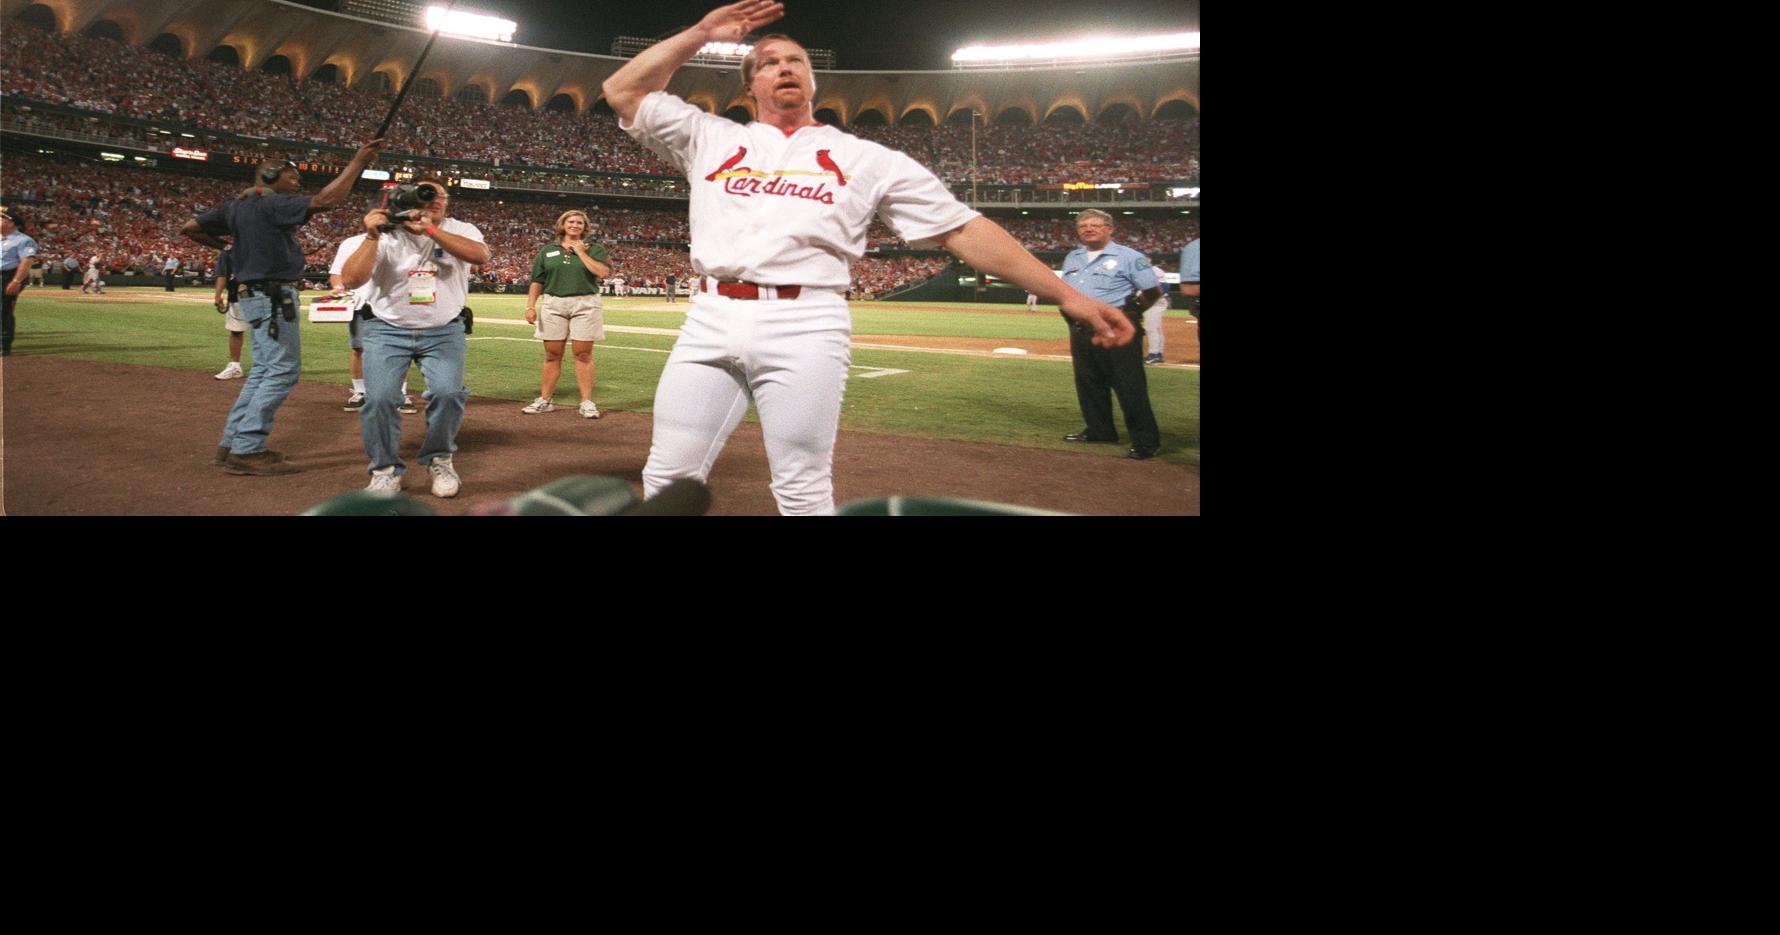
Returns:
(750, 62)
(562, 219)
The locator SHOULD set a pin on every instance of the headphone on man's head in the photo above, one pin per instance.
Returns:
(270, 173)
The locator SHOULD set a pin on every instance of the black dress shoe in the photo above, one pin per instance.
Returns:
(1144, 454)
(1085, 437)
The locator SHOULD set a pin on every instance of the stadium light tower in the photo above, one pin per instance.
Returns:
(454, 22)
(1077, 51)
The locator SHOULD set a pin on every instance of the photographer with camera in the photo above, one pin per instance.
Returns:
(417, 262)
(268, 267)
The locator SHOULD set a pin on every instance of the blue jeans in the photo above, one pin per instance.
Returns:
(276, 365)
(388, 352)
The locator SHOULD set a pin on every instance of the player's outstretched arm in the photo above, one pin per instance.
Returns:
(987, 246)
(651, 69)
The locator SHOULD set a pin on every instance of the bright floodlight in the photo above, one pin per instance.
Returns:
(725, 49)
(1096, 49)
(472, 25)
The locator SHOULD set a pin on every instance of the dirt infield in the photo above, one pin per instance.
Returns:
(86, 438)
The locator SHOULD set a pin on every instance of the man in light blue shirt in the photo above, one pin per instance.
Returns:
(1117, 275)
(18, 253)
(1189, 279)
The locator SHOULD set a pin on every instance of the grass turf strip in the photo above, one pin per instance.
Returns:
(1004, 401)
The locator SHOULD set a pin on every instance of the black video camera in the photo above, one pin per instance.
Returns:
(405, 201)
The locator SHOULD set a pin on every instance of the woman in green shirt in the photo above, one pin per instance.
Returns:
(566, 278)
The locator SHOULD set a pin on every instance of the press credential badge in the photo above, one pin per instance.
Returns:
(423, 284)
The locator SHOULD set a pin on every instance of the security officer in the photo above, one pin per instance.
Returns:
(1116, 275)
(18, 253)
(268, 270)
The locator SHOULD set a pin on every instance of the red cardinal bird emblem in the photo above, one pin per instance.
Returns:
(828, 164)
(728, 164)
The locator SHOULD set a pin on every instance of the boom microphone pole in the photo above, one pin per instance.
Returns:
(412, 74)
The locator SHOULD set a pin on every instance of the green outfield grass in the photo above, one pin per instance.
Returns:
(998, 400)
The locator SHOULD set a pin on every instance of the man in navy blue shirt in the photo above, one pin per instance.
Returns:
(268, 270)
(1117, 275)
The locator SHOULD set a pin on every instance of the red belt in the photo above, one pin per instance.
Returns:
(746, 290)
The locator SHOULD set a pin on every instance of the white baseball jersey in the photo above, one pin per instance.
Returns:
(403, 259)
(348, 247)
(792, 209)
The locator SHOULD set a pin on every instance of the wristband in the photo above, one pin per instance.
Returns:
(432, 230)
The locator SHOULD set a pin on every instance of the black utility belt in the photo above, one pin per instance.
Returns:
(264, 286)
(466, 316)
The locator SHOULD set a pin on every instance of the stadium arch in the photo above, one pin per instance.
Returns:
(742, 103)
(836, 108)
(44, 16)
(277, 65)
(570, 102)
(98, 30)
(879, 103)
(1117, 110)
(527, 95)
(1066, 104)
(392, 77)
(224, 54)
(966, 105)
(917, 117)
(924, 107)
(1186, 98)
(1008, 109)
(171, 43)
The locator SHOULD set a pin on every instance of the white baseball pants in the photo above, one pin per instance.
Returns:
(789, 357)
(1152, 324)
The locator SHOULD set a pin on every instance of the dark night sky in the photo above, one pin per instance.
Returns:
(889, 35)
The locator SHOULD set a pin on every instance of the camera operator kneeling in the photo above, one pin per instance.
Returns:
(417, 262)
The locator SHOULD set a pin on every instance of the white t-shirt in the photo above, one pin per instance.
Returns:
(789, 210)
(348, 247)
(400, 253)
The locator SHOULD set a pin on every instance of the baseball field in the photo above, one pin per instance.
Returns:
(934, 407)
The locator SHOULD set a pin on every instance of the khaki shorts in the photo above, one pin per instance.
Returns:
(574, 317)
(232, 320)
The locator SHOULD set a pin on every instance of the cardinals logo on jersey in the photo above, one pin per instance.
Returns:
(823, 160)
(728, 164)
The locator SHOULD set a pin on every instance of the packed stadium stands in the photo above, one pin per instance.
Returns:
(108, 77)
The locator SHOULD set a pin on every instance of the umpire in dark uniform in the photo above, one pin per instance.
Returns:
(268, 271)
(1116, 275)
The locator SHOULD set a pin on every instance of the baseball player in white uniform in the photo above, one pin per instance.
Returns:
(779, 211)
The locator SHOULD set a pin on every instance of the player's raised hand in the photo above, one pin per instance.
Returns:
(731, 23)
(374, 220)
(1111, 327)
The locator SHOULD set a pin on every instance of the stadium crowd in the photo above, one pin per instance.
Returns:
(130, 218)
(109, 77)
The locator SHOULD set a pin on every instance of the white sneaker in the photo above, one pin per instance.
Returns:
(445, 482)
(355, 402)
(407, 407)
(385, 483)
(231, 372)
(589, 410)
(539, 405)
